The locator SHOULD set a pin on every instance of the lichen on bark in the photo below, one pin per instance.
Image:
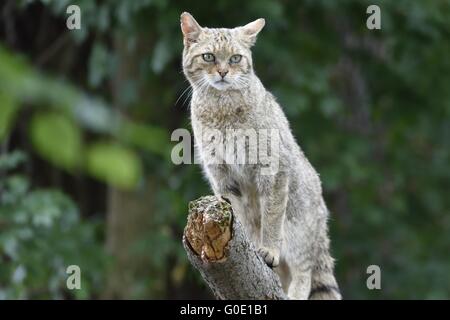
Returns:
(208, 229)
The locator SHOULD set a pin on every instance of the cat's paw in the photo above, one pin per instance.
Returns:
(270, 256)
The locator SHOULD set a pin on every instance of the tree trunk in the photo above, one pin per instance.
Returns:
(129, 212)
(129, 220)
(217, 246)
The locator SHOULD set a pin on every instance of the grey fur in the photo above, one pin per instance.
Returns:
(284, 213)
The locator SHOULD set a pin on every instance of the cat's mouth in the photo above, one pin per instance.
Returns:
(223, 81)
(221, 84)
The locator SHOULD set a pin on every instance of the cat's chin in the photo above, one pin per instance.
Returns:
(221, 85)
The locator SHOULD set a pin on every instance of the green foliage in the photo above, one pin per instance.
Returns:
(370, 109)
(56, 138)
(8, 110)
(56, 131)
(114, 164)
(148, 138)
(41, 234)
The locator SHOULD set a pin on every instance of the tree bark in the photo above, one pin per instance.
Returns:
(129, 217)
(217, 246)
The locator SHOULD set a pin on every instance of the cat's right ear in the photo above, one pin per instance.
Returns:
(251, 30)
(190, 28)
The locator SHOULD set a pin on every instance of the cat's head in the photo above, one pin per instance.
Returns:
(220, 58)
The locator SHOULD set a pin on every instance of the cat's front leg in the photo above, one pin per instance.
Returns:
(222, 182)
(274, 196)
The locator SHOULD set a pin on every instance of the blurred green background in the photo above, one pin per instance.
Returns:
(86, 118)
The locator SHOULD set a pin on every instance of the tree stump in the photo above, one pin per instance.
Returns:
(217, 246)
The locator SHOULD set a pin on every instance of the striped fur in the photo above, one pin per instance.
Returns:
(283, 213)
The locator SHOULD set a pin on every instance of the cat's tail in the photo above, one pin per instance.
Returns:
(323, 282)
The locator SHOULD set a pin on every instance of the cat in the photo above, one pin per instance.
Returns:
(283, 213)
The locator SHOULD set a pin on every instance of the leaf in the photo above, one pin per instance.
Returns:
(57, 139)
(8, 110)
(114, 164)
(150, 138)
(11, 160)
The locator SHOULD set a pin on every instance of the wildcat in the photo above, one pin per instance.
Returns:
(283, 213)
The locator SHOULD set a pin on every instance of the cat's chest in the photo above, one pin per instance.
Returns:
(228, 111)
(237, 148)
(223, 117)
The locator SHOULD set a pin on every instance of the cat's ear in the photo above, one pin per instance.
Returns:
(190, 28)
(251, 30)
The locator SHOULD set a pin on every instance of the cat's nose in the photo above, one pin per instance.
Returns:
(222, 73)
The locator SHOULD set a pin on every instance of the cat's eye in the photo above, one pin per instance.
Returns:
(208, 57)
(236, 58)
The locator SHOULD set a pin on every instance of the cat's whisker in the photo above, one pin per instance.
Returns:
(203, 85)
(199, 85)
(183, 93)
(188, 96)
(187, 93)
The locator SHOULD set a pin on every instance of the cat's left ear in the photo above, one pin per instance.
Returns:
(251, 30)
(190, 28)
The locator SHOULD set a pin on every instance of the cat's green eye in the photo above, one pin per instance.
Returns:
(208, 57)
(236, 58)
